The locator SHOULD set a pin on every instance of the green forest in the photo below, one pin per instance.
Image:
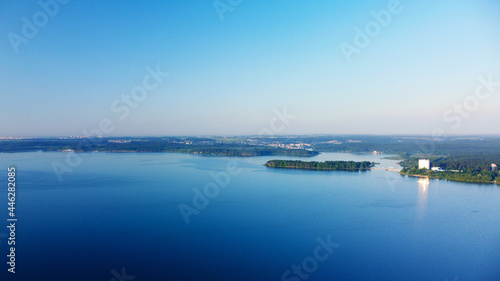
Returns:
(327, 165)
(464, 168)
(202, 146)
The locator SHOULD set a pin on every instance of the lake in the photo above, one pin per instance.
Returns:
(118, 216)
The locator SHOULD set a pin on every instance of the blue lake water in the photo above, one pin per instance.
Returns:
(117, 212)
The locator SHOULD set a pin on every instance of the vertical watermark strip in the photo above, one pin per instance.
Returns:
(11, 221)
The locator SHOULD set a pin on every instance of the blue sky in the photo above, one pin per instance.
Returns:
(227, 76)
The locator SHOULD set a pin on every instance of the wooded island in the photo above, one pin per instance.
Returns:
(327, 165)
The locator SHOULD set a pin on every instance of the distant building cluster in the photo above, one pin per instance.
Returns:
(332, 141)
(183, 142)
(119, 141)
(17, 138)
(289, 146)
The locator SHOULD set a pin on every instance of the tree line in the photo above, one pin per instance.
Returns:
(327, 165)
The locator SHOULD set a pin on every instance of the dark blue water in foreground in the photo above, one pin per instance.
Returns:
(116, 211)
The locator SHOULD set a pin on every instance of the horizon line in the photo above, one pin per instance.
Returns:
(253, 135)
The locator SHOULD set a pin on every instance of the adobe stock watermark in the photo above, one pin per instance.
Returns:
(278, 123)
(484, 90)
(392, 179)
(456, 114)
(121, 276)
(223, 6)
(211, 190)
(40, 19)
(363, 38)
(121, 107)
(310, 264)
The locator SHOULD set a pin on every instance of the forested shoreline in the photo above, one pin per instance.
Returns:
(464, 168)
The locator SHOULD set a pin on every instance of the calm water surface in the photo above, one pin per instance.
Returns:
(116, 211)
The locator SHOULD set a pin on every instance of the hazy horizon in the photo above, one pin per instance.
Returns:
(264, 136)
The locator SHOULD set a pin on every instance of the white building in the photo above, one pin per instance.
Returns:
(493, 166)
(424, 164)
